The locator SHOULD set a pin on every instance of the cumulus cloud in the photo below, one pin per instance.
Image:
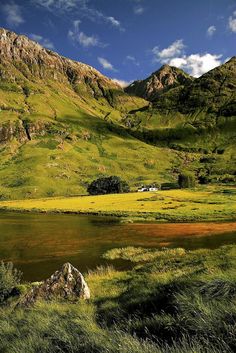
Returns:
(106, 64)
(138, 10)
(211, 31)
(13, 14)
(176, 48)
(45, 42)
(232, 22)
(80, 8)
(121, 83)
(197, 64)
(83, 39)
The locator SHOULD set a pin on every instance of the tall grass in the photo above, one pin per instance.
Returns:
(171, 302)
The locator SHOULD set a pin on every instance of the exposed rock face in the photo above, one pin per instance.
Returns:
(9, 130)
(33, 61)
(22, 130)
(158, 82)
(67, 283)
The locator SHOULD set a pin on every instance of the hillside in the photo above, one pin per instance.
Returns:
(60, 125)
(214, 92)
(196, 117)
(63, 124)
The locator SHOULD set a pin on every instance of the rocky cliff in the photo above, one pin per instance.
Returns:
(23, 59)
(160, 81)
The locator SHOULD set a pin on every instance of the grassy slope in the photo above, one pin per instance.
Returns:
(83, 138)
(78, 145)
(173, 301)
(174, 205)
(199, 117)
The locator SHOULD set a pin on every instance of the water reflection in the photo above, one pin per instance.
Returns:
(38, 243)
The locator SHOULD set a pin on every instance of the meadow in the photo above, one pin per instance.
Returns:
(200, 204)
(172, 301)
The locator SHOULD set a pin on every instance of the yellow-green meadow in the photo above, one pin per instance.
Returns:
(169, 205)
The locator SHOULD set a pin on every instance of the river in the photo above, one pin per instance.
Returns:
(38, 244)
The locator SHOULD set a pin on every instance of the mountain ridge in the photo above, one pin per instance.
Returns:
(163, 79)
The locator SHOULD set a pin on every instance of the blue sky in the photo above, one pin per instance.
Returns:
(129, 39)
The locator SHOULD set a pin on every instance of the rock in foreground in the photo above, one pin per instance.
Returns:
(67, 283)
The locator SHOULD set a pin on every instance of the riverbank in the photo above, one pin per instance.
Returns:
(205, 204)
(172, 301)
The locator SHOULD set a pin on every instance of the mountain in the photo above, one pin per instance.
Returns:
(61, 125)
(64, 124)
(214, 92)
(158, 82)
(197, 118)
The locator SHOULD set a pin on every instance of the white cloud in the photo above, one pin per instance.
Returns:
(13, 14)
(196, 64)
(45, 42)
(232, 22)
(79, 8)
(138, 10)
(211, 31)
(176, 48)
(121, 83)
(83, 39)
(113, 21)
(132, 59)
(59, 4)
(88, 41)
(106, 64)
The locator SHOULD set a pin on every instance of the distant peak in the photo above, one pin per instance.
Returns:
(161, 80)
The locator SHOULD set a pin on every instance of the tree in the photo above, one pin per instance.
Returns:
(187, 180)
(108, 185)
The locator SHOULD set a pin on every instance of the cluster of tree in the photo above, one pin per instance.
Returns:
(108, 185)
(115, 185)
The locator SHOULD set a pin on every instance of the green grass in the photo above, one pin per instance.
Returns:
(79, 138)
(204, 204)
(172, 301)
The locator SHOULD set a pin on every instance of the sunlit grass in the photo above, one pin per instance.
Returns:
(172, 301)
(179, 205)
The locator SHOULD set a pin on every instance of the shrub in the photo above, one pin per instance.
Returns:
(186, 180)
(9, 278)
(169, 186)
(108, 185)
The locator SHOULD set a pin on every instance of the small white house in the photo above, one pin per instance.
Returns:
(143, 189)
(148, 188)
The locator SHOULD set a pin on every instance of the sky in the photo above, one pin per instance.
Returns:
(129, 39)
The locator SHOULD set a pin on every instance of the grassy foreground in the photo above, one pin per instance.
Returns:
(173, 301)
(212, 203)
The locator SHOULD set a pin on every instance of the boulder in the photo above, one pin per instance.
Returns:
(66, 283)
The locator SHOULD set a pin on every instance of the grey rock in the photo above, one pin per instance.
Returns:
(67, 283)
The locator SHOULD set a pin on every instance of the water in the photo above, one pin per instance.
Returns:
(39, 244)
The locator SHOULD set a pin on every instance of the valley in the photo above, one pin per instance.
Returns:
(63, 124)
(75, 147)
